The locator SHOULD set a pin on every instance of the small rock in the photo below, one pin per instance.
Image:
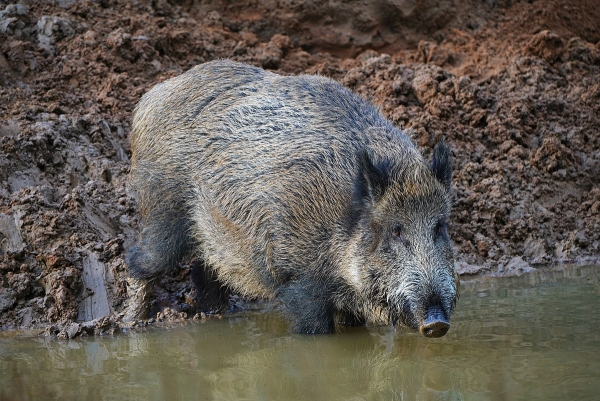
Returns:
(90, 38)
(546, 45)
(51, 30)
(425, 87)
(55, 28)
(65, 3)
(535, 251)
(466, 269)
(517, 266)
(280, 41)
(7, 299)
(213, 18)
(118, 38)
(72, 330)
(581, 240)
(10, 231)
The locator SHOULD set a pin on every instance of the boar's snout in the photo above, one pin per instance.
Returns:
(435, 323)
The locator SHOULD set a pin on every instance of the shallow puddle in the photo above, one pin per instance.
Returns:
(534, 337)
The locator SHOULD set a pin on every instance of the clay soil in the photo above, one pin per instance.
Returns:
(512, 86)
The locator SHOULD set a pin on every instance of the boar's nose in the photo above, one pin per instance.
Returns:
(435, 324)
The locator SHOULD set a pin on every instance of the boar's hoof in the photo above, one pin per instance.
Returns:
(435, 325)
(136, 306)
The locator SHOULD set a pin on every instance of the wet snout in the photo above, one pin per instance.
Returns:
(435, 323)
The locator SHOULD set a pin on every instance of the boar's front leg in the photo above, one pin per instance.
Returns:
(212, 296)
(346, 318)
(308, 305)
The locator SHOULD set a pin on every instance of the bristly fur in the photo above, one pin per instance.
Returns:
(290, 188)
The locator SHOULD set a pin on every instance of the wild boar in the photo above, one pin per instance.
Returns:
(292, 188)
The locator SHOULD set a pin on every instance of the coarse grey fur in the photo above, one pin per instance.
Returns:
(296, 189)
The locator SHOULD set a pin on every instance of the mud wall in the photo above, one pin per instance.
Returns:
(513, 86)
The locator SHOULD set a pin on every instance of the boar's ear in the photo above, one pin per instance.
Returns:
(373, 178)
(441, 166)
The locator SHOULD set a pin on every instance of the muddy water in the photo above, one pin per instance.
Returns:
(534, 337)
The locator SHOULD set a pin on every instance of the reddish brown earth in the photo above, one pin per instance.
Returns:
(513, 87)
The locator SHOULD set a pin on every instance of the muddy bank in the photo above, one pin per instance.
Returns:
(513, 87)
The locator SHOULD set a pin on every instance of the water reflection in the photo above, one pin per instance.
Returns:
(531, 337)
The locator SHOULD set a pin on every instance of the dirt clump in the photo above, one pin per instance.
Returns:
(513, 87)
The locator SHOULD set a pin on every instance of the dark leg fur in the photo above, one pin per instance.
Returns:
(311, 311)
(349, 319)
(163, 242)
(212, 296)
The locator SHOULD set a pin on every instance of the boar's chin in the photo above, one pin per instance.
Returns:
(402, 313)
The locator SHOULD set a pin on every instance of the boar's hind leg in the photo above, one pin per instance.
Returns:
(163, 242)
(310, 309)
(161, 245)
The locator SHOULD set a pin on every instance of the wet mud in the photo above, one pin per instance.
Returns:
(512, 86)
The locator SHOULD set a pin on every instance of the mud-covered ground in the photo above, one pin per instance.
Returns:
(513, 87)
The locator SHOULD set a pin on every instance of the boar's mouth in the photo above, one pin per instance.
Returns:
(401, 313)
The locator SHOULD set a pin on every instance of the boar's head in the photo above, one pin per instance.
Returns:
(402, 258)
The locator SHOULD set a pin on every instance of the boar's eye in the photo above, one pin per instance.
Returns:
(398, 232)
(440, 229)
